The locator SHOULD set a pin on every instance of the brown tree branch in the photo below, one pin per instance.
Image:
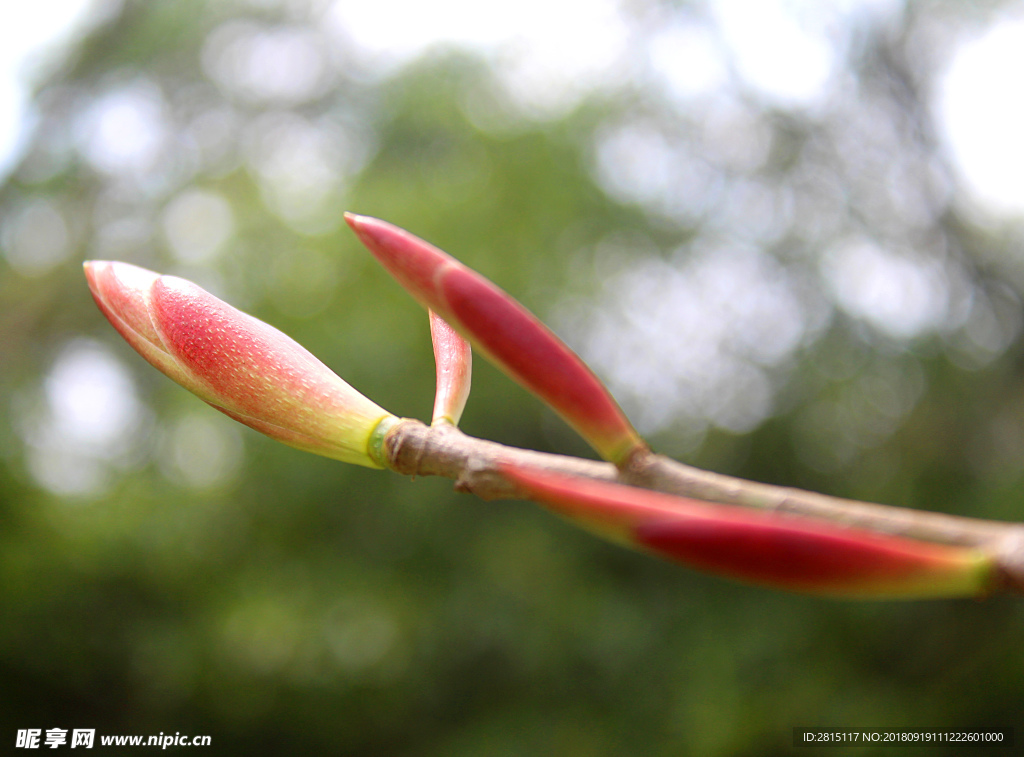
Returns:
(415, 449)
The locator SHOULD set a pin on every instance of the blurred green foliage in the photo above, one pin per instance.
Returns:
(164, 571)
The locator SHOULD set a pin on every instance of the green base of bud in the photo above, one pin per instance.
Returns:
(375, 446)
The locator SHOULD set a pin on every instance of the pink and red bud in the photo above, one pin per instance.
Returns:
(505, 332)
(236, 363)
(770, 549)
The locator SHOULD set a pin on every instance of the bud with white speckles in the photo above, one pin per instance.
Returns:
(238, 364)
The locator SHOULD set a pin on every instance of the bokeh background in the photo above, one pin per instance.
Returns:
(789, 235)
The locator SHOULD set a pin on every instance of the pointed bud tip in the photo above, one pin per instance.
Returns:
(109, 275)
(93, 269)
(364, 226)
